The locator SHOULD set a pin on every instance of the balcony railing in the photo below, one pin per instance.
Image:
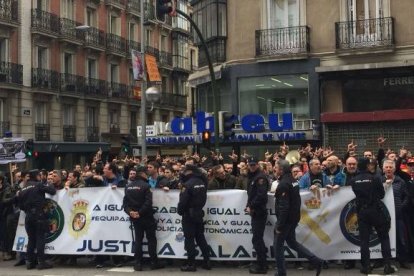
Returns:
(165, 58)
(117, 90)
(181, 63)
(11, 73)
(42, 132)
(149, 12)
(153, 51)
(92, 133)
(115, 44)
(45, 79)
(282, 41)
(377, 32)
(45, 22)
(132, 45)
(68, 30)
(95, 38)
(72, 83)
(134, 6)
(120, 4)
(95, 87)
(9, 12)
(69, 133)
(217, 50)
(4, 127)
(173, 100)
(114, 128)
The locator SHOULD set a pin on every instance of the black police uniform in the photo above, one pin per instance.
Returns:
(138, 198)
(287, 209)
(257, 201)
(32, 201)
(369, 191)
(193, 197)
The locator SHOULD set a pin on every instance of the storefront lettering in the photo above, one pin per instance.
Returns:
(399, 81)
(251, 123)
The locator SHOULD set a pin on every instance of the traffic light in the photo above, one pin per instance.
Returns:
(227, 124)
(125, 146)
(164, 7)
(29, 147)
(205, 137)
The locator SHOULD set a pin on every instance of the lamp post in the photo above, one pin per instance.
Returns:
(143, 87)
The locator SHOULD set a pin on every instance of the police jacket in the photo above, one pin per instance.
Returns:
(32, 197)
(287, 202)
(368, 190)
(257, 192)
(138, 198)
(193, 195)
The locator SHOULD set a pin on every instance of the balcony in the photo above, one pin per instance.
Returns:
(115, 45)
(92, 133)
(134, 7)
(69, 133)
(95, 88)
(11, 73)
(153, 51)
(132, 45)
(217, 50)
(4, 127)
(181, 63)
(45, 23)
(149, 13)
(69, 33)
(173, 100)
(72, 84)
(42, 132)
(117, 90)
(9, 13)
(368, 34)
(114, 129)
(118, 4)
(165, 59)
(45, 79)
(94, 39)
(282, 41)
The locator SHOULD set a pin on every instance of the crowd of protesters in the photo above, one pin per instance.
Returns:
(312, 167)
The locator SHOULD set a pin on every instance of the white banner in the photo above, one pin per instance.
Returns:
(92, 221)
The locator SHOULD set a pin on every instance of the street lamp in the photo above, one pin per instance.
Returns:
(153, 95)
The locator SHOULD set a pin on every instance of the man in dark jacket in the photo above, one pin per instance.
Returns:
(32, 201)
(369, 191)
(221, 179)
(193, 197)
(287, 208)
(256, 207)
(137, 204)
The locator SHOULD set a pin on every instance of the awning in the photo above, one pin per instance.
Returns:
(203, 76)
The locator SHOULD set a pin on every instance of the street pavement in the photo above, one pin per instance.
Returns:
(224, 269)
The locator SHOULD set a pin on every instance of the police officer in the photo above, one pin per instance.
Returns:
(32, 201)
(256, 207)
(193, 197)
(137, 204)
(287, 208)
(369, 191)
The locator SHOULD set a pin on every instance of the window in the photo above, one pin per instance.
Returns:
(132, 30)
(164, 84)
(91, 18)
(68, 115)
(42, 4)
(4, 50)
(68, 63)
(91, 68)
(67, 10)
(42, 57)
(113, 118)
(92, 116)
(275, 94)
(148, 37)
(365, 9)
(164, 43)
(114, 24)
(1, 109)
(113, 72)
(40, 112)
(133, 121)
(179, 20)
(211, 18)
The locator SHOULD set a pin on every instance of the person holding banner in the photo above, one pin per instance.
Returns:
(369, 191)
(287, 209)
(32, 201)
(137, 204)
(193, 197)
(256, 207)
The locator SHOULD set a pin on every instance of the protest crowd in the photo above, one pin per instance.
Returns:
(282, 173)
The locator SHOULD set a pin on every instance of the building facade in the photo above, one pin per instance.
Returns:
(66, 76)
(343, 68)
